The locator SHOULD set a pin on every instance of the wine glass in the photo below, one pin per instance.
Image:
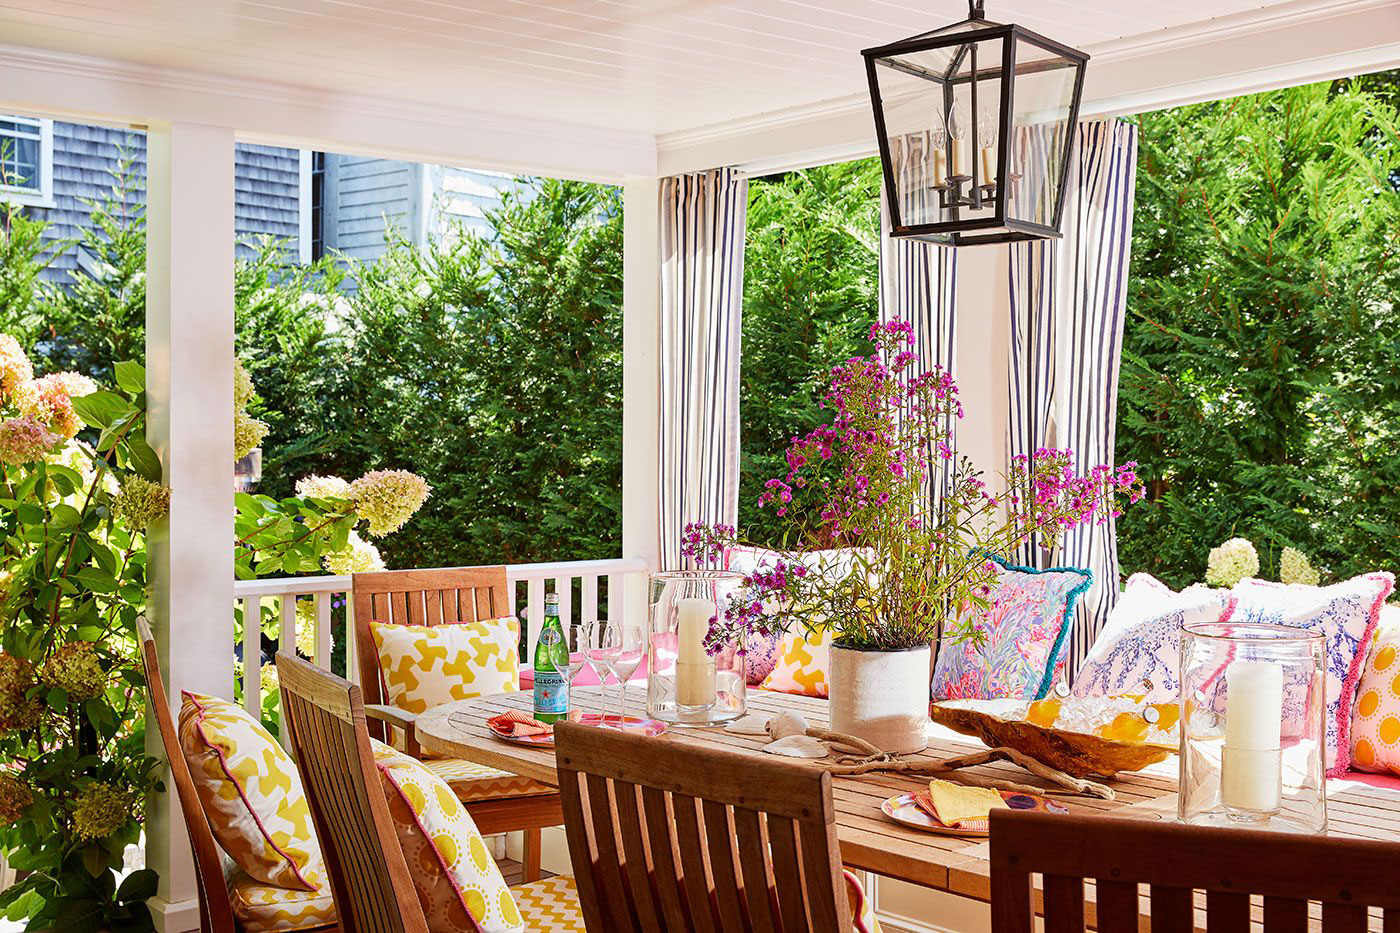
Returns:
(599, 652)
(576, 641)
(630, 651)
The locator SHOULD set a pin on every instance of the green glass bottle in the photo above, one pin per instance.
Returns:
(551, 690)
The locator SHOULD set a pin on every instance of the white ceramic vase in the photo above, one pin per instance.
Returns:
(881, 696)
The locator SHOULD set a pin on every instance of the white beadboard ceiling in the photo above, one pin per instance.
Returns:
(654, 66)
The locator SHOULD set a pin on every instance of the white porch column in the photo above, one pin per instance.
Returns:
(641, 383)
(189, 382)
(983, 349)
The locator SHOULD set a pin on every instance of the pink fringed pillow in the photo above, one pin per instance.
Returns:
(1346, 614)
(1139, 649)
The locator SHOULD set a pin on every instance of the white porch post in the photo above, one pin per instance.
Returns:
(982, 352)
(641, 384)
(189, 382)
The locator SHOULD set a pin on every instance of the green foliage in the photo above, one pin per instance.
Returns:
(1261, 367)
(492, 366)
(811, 290)
(74, 582)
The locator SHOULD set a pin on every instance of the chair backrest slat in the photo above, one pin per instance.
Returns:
(419, 597)
(1305, 882)
(216, 913)
(325, 719)
(715, 840)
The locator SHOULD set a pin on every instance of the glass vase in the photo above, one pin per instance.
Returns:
(1253, 734)
(689, 682)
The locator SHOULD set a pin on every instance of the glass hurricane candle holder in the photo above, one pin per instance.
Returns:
(1253, 746)
(688, 684)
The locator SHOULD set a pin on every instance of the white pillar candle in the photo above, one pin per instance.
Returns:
(695, 670)
(1251, 766)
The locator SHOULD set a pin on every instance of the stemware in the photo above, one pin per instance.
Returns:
(576, 642)
(600, 652)
(631, 648)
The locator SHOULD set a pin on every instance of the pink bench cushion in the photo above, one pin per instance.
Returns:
(1383, 781)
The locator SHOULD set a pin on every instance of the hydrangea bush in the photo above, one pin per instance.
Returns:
(860, 483)
(74, 774)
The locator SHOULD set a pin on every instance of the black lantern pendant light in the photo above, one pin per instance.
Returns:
(975, 124)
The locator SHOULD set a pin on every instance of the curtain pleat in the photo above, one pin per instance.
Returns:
(919, 284)
(1068, 299)
(702, 285)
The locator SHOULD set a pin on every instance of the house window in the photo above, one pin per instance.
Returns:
(318, 205)
(26, 160)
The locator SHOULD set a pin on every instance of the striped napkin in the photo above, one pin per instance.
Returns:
(516, 724)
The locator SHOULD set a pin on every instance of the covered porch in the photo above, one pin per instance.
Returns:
(630, 95)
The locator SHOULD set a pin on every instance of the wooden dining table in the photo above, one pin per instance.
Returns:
(871, 841)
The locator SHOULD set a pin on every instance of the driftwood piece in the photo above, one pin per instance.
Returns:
(873, 759)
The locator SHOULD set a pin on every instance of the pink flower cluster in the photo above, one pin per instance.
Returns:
(1049, 497)
(706, 544)
(25, 440)
(745, 614)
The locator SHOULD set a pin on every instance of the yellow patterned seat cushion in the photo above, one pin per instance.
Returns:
(458, 882)
(471, 781)
(428, 665)
(804, 664)
(252, 793)
(550, 904)
(263, 908)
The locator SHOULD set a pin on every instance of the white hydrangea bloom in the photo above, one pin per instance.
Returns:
(323, 487)
(359, 556)
(1231, 562)
(1294, 567)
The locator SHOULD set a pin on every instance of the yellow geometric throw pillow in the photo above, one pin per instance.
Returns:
(252, 792)
(457, 880)
(428, 665)
(804, 664)
(1375, 721)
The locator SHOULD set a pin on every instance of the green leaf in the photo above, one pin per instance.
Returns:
(97, 580)
(30, 513)
(138, 886)
(94, 860)
(143, 458)
(100, 409)
(57, 699)
(65, 516)
(130, 376)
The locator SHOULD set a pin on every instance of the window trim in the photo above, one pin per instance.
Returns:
(43, 195)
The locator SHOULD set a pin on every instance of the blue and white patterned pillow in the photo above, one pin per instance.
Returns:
(1139, 649)
(1346, 614)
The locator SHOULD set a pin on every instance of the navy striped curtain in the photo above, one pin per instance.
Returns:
(702, 287)
(1068, 298)
(919, 284)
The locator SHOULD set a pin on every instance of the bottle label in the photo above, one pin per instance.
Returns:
(551, 695)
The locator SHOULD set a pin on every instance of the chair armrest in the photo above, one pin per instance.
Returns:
(400, 718)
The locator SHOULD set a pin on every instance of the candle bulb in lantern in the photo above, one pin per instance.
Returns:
(938, 142)
(695, 670)
(987, 138)
(1251, 765)
(958, 132)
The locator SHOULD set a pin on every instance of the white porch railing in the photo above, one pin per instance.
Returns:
(597, 580)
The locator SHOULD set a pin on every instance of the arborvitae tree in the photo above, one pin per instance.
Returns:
(1261, 365)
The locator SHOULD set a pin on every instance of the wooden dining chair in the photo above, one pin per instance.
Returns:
(668, 837)
(215, 906)
(499, 802)
(1174, 861)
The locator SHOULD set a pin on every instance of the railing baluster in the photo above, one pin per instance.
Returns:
(589, 611)
(614, 596)
(564, 587)
(252, 655)
(534, 614)
(352, 643)
(323, 630)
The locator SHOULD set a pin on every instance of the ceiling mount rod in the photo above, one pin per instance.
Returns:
(975, 9)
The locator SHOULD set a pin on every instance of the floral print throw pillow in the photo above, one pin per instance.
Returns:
(1025, 634)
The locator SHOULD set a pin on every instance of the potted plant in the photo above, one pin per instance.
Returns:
(900, 572)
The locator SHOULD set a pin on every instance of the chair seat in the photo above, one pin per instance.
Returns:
(471, 781)
(263, 908)
(550, 904)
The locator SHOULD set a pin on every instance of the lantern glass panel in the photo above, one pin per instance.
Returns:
(943, 130)
(1040, 131)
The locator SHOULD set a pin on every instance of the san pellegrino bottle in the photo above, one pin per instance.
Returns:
(551, 690)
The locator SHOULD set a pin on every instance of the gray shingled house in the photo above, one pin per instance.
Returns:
(317, 202)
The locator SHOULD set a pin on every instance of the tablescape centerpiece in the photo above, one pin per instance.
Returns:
(695, 678)
(873, 560)
(1253, 727)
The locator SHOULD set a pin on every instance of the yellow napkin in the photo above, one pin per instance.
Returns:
(958, 802)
